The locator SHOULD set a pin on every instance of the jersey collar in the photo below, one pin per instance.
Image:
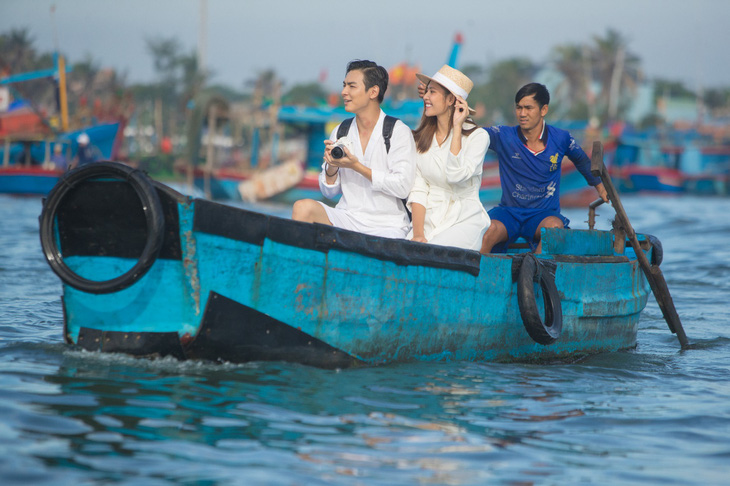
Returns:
(543, 134)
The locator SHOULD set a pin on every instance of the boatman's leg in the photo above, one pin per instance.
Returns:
(309, 211)
(549, 222)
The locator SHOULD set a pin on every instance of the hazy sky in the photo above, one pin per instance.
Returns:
(677, 39)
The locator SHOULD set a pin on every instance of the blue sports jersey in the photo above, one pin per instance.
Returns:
(533, 181)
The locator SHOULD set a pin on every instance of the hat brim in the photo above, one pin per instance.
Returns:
(425, 80)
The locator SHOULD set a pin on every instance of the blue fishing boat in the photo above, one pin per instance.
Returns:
(36, 176)
(150, 272)
(28, 137)
(687, 163)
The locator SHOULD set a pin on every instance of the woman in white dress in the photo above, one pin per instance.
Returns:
(444, 201)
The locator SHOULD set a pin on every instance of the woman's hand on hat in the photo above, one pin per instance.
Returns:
(421, 89)
(461, 111)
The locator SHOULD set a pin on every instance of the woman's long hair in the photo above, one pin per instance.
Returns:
(426, 130)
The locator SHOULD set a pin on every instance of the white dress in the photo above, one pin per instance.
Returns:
(374, 208)
(448, 187)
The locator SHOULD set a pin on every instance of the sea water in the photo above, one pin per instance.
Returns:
(651, 415)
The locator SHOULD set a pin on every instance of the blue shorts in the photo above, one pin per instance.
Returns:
(521, 222)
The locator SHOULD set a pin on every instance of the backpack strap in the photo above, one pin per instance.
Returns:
(344, 128)
(388, 125)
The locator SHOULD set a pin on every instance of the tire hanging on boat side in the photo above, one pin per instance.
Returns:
(533, 271)
(657, 254)
(153, 215)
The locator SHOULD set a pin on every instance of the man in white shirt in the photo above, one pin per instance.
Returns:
(372, 179)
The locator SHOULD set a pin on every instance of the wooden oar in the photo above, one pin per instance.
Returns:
(653, 272)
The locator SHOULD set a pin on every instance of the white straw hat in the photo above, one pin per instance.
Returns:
(453, 80)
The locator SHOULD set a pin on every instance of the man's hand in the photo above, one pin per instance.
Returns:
(348, 161)
(601, 190)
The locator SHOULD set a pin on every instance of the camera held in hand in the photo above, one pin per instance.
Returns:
(338, 149)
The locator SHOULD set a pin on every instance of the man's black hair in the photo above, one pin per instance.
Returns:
(373, 75)
(542, 96)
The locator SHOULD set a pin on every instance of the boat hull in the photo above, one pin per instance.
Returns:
(28, 180)
(234, 285)
(651, 179)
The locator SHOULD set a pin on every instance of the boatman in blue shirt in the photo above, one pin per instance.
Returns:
(530, 156)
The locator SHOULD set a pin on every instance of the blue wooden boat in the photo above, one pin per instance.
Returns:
(150, 272)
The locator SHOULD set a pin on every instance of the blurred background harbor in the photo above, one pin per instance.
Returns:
(260, 136)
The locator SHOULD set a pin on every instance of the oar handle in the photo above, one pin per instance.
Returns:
(596, 203)
(592, 212)
(598, 168)
(653, 273)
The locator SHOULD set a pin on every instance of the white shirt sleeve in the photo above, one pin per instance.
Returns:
(419, 193)
(399, 178)
(460, 168)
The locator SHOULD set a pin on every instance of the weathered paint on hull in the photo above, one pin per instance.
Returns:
(373, 310)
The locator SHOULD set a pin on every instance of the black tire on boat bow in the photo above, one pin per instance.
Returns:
(531, 271)
(153, 215)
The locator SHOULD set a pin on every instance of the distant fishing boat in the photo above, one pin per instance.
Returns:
(150, 272)
(37, 176)
(27, 138)
(688, 165)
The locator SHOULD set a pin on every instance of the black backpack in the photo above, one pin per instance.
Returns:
(388, 125)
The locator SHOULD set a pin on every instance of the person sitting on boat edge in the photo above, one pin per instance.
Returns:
(530, 157)
(450, 148)
(372, 178)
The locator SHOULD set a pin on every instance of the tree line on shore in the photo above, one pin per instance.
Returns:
(596, 80)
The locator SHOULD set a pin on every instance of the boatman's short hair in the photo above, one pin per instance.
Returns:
(539, 91)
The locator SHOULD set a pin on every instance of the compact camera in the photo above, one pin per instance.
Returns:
(338, 149)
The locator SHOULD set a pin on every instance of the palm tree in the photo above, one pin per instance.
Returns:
(618, 71)
(17, 55)
(166, 60)
(505, 78)
(17, 51)
(573, 62)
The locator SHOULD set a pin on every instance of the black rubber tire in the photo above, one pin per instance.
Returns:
(153, 215)
(532, 271)
(657, 256)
